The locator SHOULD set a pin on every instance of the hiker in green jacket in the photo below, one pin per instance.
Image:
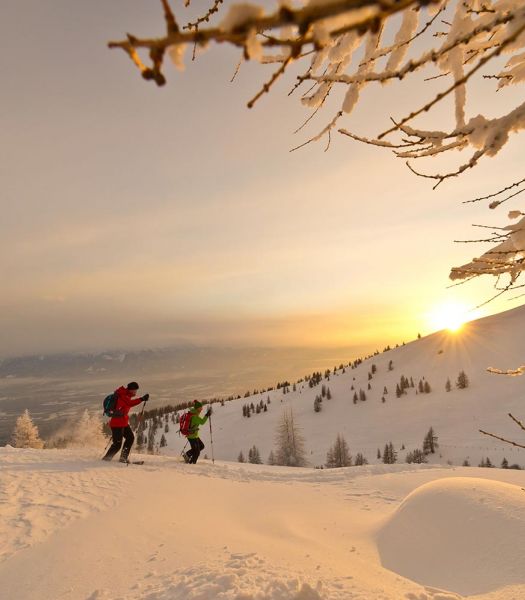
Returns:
(193, 437)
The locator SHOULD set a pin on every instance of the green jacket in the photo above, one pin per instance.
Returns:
(196, 422)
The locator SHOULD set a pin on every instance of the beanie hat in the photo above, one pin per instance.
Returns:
(197, 404)
(133, 385)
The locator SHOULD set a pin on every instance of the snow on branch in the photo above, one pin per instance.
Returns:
(340, 43)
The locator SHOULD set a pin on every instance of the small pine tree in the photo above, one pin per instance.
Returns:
(411, 382)
(448, 385)
(254, 456)
(398, 391)
(271, 458)
(466, 463)
(427, 389)
(391, 366)
(241, 458)
(163, 441)
(389, 454)
(317, 404)
(416, 456)
(462, 381)
(369, 376)
(362, 395)
(328, 394)
(369, 387)
(338, 455)
(355, 398)
(25, 433)
(374, 369)
(504, 463)
(360, 460)
(383, 399)
(378, 454)
(385, 391)
(323, 391)
(430, 442)
(420, 387)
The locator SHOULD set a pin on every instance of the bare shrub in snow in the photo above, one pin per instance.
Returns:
(290, 451)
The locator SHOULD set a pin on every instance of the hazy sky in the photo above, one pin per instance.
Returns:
(136, 216)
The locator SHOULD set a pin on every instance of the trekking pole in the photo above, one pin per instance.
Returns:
(211, 439)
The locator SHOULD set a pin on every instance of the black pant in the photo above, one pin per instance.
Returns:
(118, 433)
(196, 447)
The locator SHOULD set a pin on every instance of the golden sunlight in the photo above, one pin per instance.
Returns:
(449, 315)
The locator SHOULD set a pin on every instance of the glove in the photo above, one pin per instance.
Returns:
(145, 398)
(209, 411)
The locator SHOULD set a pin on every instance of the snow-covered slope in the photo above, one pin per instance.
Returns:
(75, 528)
(456, 416)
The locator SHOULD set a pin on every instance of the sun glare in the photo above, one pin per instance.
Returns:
(450, 315)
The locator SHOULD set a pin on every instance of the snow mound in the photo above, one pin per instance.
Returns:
(462, 534)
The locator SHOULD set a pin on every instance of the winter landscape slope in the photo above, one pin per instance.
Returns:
(75, 528)
(456, 416)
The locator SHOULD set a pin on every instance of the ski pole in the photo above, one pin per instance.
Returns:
(211, 439)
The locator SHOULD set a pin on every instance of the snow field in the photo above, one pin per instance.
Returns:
(169, 531)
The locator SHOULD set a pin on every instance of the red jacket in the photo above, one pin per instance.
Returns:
(124, 403)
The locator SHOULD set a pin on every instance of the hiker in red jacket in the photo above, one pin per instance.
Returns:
(119, 423)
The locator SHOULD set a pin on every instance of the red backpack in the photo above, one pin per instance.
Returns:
(185, 424)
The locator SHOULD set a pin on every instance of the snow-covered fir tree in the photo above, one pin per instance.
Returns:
(25, 433)
(241, 458)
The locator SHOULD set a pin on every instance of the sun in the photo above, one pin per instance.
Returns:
(449, 315)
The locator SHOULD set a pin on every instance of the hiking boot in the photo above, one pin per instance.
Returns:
(186, 456)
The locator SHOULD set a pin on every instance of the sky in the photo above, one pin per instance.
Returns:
(135, 216)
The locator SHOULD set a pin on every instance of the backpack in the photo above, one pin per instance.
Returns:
(185, 424)
(109, 405)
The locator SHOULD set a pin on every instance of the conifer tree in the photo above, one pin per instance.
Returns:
(25, 433)
(391, 366)
(328, 394)
(427, 389)
(317, 404)
(416, 456)
(448, 385)
(362, 395)
(290, 442)
(163, 441)
(254, 456)
(462, 381)
(383, 399)
(504, 463)
(421, 387)
(430, 442)
(241, 458)
(466, 463)
(378, 454)
(271, 458)
(355, 398)
(398, 391)
(339, 455)
(360, 460)
(385, 391)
